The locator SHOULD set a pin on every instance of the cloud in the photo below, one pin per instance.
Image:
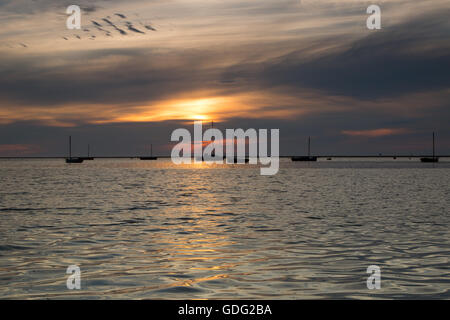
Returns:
(116, 76)
(15, 150)
(411, 57)
(376, 132)
(403, 59)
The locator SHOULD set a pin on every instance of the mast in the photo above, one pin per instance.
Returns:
(433, 145)
(309, 146)
(213, 153)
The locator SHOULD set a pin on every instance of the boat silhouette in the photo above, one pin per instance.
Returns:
(432, 159)
(88, 156)
(305, 158)
(151, 157)
(230, 160)
(71, 159)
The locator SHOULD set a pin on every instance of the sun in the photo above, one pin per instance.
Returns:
(198, 109)
(199, 117)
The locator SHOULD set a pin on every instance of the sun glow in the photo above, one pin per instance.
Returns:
(186, 109)
(199, 117)
(200, 109)
(206, 108)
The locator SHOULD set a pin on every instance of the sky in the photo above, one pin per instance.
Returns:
(139, 69)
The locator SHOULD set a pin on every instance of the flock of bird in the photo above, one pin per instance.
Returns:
(107, 27)
(110, 26)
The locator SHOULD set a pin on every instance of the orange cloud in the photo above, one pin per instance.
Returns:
(203, 105)
(18, 149)
(207, 106)
(375, 132)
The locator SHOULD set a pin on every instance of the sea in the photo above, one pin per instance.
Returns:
(154, 230)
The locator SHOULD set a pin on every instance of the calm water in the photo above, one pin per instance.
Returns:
(151, 230)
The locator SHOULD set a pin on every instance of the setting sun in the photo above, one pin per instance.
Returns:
(200, 117)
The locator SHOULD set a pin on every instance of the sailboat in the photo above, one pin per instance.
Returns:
(208, 157)
(308, 157)
(213, 155)
(428, 159)
(88, 155)
(235, 158)
(151, 155)
(70, 159)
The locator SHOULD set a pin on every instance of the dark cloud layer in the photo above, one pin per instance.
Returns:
(406, 58)
(140, 76)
